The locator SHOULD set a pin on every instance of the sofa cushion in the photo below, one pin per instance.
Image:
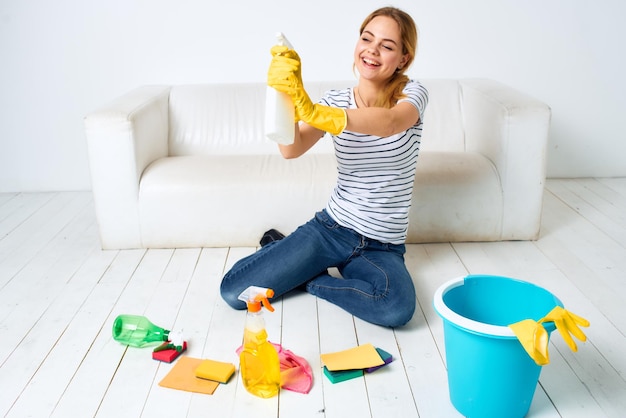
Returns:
(178, 193)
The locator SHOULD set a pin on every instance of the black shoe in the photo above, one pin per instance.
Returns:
(271, 236)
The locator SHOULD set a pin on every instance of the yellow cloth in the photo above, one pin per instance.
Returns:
(534, 337)
(361, 357)
(183, 377)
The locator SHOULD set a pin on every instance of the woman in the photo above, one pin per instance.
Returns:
(376, 129)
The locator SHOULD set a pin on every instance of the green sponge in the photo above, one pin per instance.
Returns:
(342, 375)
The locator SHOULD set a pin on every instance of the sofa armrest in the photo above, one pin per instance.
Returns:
(123, 138)
(511, 129)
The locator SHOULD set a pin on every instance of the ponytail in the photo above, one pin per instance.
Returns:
(393, 91)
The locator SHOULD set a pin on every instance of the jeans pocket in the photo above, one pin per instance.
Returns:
(325, 220)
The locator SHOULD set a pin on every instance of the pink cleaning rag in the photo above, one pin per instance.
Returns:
(295, 373)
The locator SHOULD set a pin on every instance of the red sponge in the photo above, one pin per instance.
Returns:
(167, 355)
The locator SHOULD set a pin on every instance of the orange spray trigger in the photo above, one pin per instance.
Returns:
(264, 299)
(254, 296)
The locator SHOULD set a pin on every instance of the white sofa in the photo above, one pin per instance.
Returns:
(189, 166)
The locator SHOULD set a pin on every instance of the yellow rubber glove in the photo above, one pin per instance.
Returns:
(567, 322)
(534, 338)
(282, 69)
(285, 75)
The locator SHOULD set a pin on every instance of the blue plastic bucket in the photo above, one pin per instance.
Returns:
(489, 372)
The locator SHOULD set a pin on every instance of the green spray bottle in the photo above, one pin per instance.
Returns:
(137, 331)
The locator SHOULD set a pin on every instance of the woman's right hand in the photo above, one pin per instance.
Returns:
(285, 75)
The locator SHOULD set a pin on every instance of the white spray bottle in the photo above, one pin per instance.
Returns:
(279, 110)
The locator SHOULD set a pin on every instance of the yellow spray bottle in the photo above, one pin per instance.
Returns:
(258, 361)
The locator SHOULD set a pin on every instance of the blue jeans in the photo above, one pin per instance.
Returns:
(375, 284)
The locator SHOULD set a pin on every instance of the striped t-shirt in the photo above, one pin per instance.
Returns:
(376, 174)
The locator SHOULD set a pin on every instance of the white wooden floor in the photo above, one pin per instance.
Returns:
(59, 294)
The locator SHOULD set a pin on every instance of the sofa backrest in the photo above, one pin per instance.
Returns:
(219, 119)
(443, 119)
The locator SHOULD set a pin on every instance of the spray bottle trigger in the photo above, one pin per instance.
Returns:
(264, 299)
(266, 303)
(255, 296)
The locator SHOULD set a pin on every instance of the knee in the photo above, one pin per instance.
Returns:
(230, 296)
(398, 314)
(398, 319)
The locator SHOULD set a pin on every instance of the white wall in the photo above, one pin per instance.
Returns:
(61, 59)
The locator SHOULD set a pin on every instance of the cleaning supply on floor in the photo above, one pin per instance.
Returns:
(361, 357)
(387, 358)
(258, 361)
(137, 331)
(490, 374)
(352, 363)
(296, 374)
(171, 349)
(342, 375)
(182, 377)
(279, 109)
(218, 371)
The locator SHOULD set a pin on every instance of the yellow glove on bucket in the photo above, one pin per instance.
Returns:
(534, 338)
(567, 322)
(285, 75)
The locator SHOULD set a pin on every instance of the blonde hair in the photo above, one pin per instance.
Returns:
(408, 37)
